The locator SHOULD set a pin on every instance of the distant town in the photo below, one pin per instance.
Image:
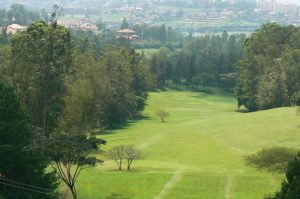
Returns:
(201, 16)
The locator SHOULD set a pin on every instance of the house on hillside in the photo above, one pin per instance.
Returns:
(127, 33)
(14, 28)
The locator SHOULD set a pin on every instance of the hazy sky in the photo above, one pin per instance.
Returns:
(290, 1)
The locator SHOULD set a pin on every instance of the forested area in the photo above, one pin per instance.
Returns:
(204, 61)
(50, 73)
(68, 87)
(158, 36)
(269, 72)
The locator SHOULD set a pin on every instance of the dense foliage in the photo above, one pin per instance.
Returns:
(290, 187)
(161, 33)
(41, 59)
(269, 73)
(69, 155)
(105, 91)
(74, 88)
(208, 60)
(18, 163)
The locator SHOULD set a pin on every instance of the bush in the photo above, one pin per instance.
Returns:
(162, 114)
(273, 159)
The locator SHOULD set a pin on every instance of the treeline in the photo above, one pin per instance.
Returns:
(269, 73)
(263, 71)
(105, 91)
(76, 83)
(206, 61)
(161, 33)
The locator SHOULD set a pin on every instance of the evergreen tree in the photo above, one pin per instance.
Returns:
(290, 188)
(41, 58)
(215, 55)
(163, 33)
(125, 23)
(17, 162)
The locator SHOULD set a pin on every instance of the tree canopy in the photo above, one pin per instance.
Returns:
(69, 155)
(105, 91)
(269, 73)
(41, 59)
(206, 60)
(18, 164)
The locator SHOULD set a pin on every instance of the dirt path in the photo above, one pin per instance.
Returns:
(229, 188)
(150, 141)
(169, 185)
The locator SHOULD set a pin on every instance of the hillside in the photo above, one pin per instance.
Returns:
(198, 153)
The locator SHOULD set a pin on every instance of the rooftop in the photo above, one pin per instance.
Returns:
(16, 26)
(126, 31)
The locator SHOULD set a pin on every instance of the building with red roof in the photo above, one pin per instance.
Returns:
(127, 33)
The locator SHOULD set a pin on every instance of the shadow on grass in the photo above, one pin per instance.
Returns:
(124, 170)
(121, 126)
(209, 90)
(242, 111)
(160, 89)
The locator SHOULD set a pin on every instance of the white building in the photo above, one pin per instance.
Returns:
(14, 28)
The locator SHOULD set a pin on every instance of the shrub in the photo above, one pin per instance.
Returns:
(273, 159)
(163, 115)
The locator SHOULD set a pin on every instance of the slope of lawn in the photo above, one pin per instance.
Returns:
(199, 153)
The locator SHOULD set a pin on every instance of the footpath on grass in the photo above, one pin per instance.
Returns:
(170, 184)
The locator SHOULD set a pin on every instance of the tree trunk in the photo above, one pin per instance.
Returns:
(129, 165)
(73, 191)
(44, 122)
(120, 165)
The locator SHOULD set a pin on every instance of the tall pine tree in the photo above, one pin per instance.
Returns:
(17, 163)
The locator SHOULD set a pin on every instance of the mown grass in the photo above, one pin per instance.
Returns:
(149, 52)
(204, 142)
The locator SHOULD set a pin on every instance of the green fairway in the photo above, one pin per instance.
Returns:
(199, 153)
(149, 52)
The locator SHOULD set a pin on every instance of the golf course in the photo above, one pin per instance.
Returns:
(199, 153)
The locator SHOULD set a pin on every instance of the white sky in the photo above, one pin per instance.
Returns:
(290, 1)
